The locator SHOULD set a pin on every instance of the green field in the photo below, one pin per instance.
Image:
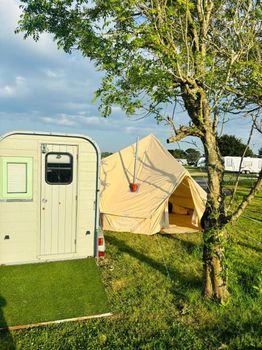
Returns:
(153, 285)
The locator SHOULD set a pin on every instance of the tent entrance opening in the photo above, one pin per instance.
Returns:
(181, 210)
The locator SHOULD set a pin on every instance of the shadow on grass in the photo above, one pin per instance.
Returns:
(249, 246)
(6, 339)
(187, 282)
(188, 246)
(253, 218)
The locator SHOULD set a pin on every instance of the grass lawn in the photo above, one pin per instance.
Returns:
(154, 311)
(196, 172)
(50, 291)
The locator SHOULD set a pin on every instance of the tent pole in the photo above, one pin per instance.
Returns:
(136, 155)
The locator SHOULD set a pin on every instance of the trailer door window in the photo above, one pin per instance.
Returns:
(59, 168)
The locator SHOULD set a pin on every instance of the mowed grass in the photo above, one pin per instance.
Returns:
(154, 288)
(50, 291)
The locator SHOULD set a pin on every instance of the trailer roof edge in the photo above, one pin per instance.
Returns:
(43, 133)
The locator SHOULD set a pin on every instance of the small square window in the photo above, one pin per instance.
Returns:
(16, 178)
(247, 163)
(59, 168)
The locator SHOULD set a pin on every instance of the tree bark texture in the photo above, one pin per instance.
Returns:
(214, 281)
(215, 273)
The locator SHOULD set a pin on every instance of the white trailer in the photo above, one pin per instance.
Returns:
(49, 197)
(249, 165)
(201, 162)
(232, 164)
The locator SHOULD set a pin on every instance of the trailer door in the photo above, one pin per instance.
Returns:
(58, 199)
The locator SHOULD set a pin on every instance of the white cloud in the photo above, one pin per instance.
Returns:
(80, 107)
(79, 121)
(62, 120)
(137, 130)
(17, 88)
(9, 22)
(43, 88)
(9, 17)
(55, 74)
(6, 91)
(99, 123)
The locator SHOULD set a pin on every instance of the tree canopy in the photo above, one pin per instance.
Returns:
(105, 154)
(155, 52)
(178, 153)
(191, 154)
(203, 55)
(230, 145)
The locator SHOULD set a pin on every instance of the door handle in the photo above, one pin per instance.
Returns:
(44, 200)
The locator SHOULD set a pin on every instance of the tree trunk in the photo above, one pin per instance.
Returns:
(215, 274)
(213, 220)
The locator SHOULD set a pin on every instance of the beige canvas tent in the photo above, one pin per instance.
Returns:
(167, 198)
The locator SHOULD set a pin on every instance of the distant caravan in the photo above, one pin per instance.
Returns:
(249, 165)
(201, 162)
(232, 164)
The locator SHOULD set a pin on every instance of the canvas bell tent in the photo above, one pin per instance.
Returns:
(48, 197)
(165, 197)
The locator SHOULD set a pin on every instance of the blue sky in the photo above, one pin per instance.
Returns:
(44, 89)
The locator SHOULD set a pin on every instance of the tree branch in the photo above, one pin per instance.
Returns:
(257, 124)
(240, 165)
(183, 132)
(246, 200)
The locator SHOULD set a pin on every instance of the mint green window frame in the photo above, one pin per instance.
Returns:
(4, 194)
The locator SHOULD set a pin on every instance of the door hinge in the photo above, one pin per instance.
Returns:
(75, 241)
(43, 148)
(76, 197)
